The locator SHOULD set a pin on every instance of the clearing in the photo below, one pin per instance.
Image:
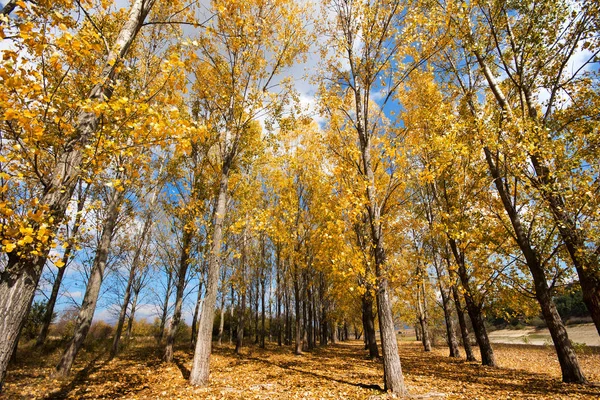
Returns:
(584, 334)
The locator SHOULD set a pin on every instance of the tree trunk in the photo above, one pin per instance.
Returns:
(334, 332)
(20, 278)
(278, 300)
(165, 311)
(309, 315)
(288, 318)
(240, 328)
(123, 313)
(450, 329)
(47, 320)
(464, 332)
(181, 275)
(256, 316)
(345, 330)
(221, 321)
(131, 319)
(393, 378)
(423, 320)
(324, 316)
(201, 363)
(473, 308)
(298, 349)
(369, 324)
(88, 307)
(262, 315)
(196, 314)
(231, 316)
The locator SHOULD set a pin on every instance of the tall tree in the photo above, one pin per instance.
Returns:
(247, 46)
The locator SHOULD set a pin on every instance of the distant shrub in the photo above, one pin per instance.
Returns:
(100, 331)
(143, 328)
(570, 303)
(537, 322)
(65, 327)
(184, 332)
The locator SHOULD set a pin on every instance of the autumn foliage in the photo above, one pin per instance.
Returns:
(290, 175)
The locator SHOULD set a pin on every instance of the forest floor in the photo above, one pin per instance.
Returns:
(338, 371)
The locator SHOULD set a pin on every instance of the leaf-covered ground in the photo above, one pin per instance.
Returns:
(337, 371)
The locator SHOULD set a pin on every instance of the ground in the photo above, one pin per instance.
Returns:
(580, 333)
(338, 371)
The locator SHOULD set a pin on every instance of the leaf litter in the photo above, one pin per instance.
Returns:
(340, 371)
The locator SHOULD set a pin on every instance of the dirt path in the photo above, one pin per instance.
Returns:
(334, 372)
(583, 334)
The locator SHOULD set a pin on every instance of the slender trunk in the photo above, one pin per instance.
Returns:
(20, 277)
(181, 280)
(464, 332)
(450, 329)
(122, 313)
(201, 363)
(256, 315)
(278, 301)
(298, 349)
(165, 311)
(196, 314)
(240, 328)
(231, 316)
(334, 332)
(262, 315)
(309, 315)
(288, 318)
(324, 325)
(305, 323)
(47, 320)
(473, 309)
(345, 330)
(131, 319)
(423, 320)
(316, 319)
(369, 324)
(88, 307)
(221, 321)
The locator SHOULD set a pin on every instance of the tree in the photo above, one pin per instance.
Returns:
(21, 275)
(367, 37)
(248, 45)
